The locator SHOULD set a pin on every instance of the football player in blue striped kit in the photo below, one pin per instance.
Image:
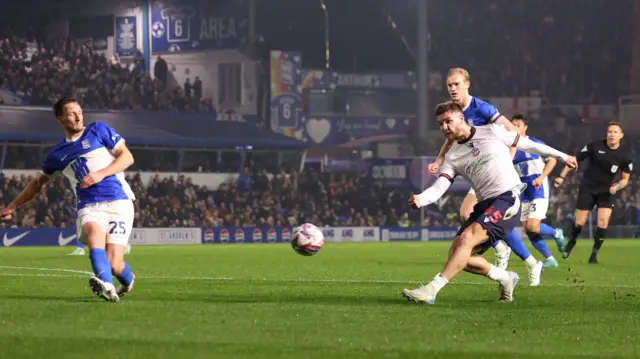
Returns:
(534, 172)
(93, 158)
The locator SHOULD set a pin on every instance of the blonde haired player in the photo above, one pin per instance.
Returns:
(480, 113)
(93, 158)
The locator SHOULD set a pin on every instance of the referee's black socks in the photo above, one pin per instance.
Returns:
(598, 239)
(575, 232)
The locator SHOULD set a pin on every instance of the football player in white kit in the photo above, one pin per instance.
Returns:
(480, 113)
(93, 158)
(482, 156)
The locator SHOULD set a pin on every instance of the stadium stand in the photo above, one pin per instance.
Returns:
(556, 60)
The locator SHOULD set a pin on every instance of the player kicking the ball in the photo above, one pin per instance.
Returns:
(479, 154)
(93, 158)
(535, 199)
(479, 113)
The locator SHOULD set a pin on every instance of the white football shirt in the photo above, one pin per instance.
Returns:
(484, 160)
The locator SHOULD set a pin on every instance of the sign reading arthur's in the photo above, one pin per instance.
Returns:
(198, 25)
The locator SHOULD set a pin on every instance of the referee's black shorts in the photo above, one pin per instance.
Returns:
(591, 196)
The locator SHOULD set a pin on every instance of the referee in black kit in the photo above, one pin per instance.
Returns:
(607, 159)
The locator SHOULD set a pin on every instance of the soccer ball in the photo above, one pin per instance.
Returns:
(157, 29)
(307, 239)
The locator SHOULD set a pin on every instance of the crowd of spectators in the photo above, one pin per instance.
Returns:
(283, 198)
(553, 50)
(41, 74)
(564, 51)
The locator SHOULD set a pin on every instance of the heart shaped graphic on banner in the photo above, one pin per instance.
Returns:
(318, 130)
(391, 122)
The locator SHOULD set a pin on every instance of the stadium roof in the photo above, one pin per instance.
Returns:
(145, 128)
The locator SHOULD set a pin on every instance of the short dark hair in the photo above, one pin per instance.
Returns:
(448, 106)
(58, 108)
(520, 117)
(615, 123)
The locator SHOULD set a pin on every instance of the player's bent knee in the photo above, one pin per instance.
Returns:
(532, 228)
(471, 237)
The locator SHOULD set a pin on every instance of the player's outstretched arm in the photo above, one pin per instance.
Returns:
(508, 125)
(513, 139)
(581, 156)
(433, 167)
(123, 160)
(527, 145)
(31, 190)
(431, 194)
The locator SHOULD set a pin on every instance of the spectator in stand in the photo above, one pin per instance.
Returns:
(41, 74)
(178, 202)
(161, 70)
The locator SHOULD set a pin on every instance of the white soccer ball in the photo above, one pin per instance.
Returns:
(307, 239)
(157, 29)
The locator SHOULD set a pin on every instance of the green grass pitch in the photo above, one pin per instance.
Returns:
(265, 301)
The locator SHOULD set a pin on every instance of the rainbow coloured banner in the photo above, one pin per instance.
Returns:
(286, 92)
(312, 105)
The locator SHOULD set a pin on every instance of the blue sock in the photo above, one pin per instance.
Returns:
(514, 240)
(79, 244)
(539, 243)
(547, 230)
(100, 264)
(125, 277)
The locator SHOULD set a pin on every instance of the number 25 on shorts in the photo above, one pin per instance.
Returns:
(117, 228)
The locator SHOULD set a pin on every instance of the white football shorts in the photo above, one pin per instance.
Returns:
(536, 209)
(116, 217)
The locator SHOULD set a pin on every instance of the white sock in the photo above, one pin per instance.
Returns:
(550, 258)
(530, 262)
(498, 274)
(501, 247)
(438, 282)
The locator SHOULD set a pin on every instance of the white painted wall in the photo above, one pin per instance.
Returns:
(205, 65)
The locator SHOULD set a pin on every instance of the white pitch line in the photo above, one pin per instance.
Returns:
(48, 269)
(48, 275)
(73, 273)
